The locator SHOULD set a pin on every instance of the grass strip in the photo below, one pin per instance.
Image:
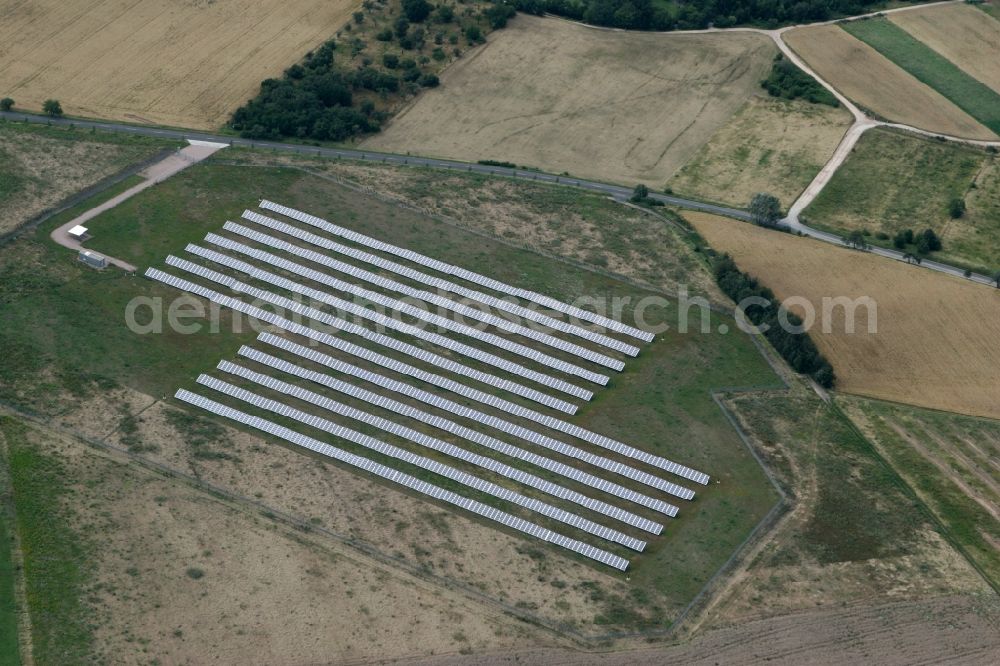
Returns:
(928, 66)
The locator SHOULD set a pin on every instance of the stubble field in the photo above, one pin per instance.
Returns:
(614, 106)
(934, 345)
(976, 51)
(874, 82)
(184, 63)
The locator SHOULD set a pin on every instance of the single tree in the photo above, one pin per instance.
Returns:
(928, 242)
(765, 209)
(996, 279)
(416, 10)
(956, 208)
(6, 103)
(640, 193)
(899, 240)
(51, 107)
(856, 239)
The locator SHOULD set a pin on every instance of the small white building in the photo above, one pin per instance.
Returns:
(78, 233)
(93, 259)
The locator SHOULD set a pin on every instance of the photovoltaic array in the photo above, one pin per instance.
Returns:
(432, 396)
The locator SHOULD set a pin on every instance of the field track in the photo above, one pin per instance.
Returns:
(184, 64)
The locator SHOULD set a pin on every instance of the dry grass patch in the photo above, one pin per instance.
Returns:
(581, 227)
(187, 63)
(771, 145)
(40, 167)
(961, 34)
(180, 575)
(871, 80)
(935, 342)
(616, 106)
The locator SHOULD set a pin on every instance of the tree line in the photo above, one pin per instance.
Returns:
(795, 347)
(348, 86)
(696, 14)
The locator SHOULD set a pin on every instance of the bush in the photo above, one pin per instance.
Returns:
(416, 10)
(473, 34)
(384, 35)
(429, 81)
(390, 60)
(444, 14)
(956, 208)
(6, 104)
(789, 82)
(52, 107)
(195, 573)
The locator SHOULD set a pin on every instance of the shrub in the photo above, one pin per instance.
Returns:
(195, 573)
(52, 107)
(429, 81)
(473, 34)
(416, 10)
(956, 208)
(444, 14)
(6, 104)
(390, 60)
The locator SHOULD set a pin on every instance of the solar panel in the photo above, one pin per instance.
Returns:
(380, 319)
(393, 304)
(397, 287)
(454, 428)
(447, 471)
(400, 478)
(449, 269)
(446, 285)
(377, 338)
(491, 421)
(557, 424)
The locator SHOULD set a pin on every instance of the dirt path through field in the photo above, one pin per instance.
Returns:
(182, 159)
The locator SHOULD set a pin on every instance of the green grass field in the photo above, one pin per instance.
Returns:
(993, 9)
(55, 552)
(895, 181)
(9, 653)
(69, 318)
(926, 447)
(975, 98)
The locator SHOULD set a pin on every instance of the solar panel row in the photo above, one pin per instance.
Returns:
(394, 305)
(449, 269)
(447, 471)
(363, 352)
(549, 421)
(391, 285)
(444, 285)
(420, 438)
(461, 431)
(406, 480)
(387, 322)
(500, 424)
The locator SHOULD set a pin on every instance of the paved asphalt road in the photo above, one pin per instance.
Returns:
(616, 191)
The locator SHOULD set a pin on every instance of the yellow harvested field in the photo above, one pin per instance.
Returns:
(871, 80)
(617, 106)
(771, 145)
(188, 63)
(963, 34)
(935, 344)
